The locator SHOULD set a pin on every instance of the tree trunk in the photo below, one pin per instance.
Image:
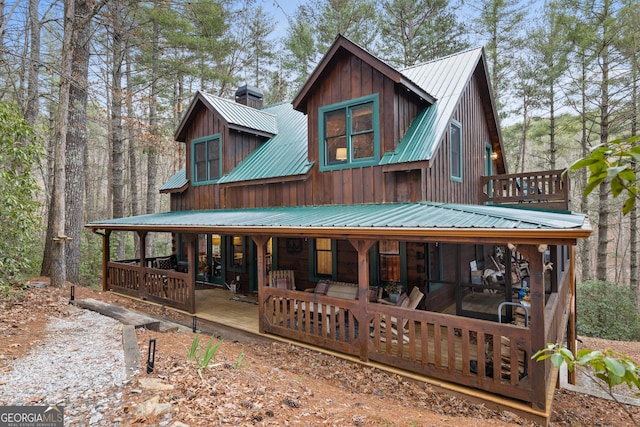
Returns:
(77, 144)
(152, 161)
(603, 201)
(633, 215)
(525, 125)
(552, 128)
(47, 260)
(117, 145)
(33, 88)
(584, 201)
(58, 204)
(2, 25)
(133, 161)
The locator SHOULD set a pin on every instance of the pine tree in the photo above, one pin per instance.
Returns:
(414, 31)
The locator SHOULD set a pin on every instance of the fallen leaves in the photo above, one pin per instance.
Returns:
(277, 384)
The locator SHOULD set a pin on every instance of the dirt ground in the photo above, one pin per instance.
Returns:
(268, 383)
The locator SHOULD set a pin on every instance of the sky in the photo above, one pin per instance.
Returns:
(281, 10)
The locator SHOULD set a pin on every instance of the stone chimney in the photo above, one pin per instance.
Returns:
(249, 96)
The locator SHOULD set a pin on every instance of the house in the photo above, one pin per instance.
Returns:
(372, 175)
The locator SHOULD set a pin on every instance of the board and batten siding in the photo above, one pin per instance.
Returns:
(475, 132)
(236, 146)
(351, 78)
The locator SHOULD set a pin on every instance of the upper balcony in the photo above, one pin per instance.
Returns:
(543, 189)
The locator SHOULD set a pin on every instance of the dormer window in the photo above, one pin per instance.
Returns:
(206, 166)
(349, 134)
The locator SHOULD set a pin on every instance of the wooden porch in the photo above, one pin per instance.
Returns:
(456, 353)
(222, 307)
(473, 356)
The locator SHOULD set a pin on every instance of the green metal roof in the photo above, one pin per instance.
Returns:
(285, 154)
(177, 181)
(445, 79)
(242, 115)
(413, 217)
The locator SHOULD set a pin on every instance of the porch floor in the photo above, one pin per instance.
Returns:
(480, 302)
(221, 306)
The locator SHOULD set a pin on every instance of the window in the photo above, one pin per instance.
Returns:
(349, 134)
(435, 266)
(389, 261)
(206, 165)
(455, 137)
(235, 250)
(488, 160)
(323, 258)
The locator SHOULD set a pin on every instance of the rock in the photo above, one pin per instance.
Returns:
(154, 384)
(152, 406)
(38, 284)
(95, 418)
(71, 310)
(179, 424)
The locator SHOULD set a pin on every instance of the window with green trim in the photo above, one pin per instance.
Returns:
(455, 143)
(206, 164)
(349, 133)
(323, 258)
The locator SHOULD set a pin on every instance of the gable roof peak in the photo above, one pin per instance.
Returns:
(342, 43)
(238, 116)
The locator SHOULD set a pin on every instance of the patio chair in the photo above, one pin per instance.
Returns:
(411, 302)
(282, 279)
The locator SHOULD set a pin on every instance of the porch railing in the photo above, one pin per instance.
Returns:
(316, 319)
(167, 287)
(548, 189)
(489, 356)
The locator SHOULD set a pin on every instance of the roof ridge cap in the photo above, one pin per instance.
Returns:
(442, 58)
(232, 102)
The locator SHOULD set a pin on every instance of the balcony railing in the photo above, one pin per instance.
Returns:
(546, 189)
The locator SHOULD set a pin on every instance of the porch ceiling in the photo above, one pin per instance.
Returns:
(407, 221)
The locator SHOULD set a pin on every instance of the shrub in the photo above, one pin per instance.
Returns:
(91, 260)
(607, 310)
(19, 194)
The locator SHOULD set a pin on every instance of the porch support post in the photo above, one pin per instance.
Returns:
(142, 235)
(555, 273)
(363, 246)
(106, 250)
(261, 243)
(537, 327)
(142, 278)
(571, 326)
(192, 260)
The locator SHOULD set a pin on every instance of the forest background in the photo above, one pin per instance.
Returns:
(93, 90)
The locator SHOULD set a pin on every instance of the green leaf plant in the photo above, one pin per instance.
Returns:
(240, 362)
(203, 358)
(614, 162)
(610, 367)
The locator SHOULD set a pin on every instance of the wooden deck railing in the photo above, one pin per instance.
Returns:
(316, 319)
(489, 356)
(546, 189)
(162, 286)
